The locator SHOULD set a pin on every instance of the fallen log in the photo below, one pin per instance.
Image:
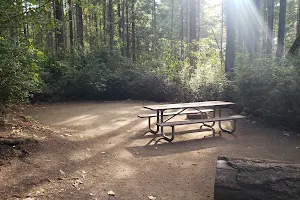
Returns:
(253, 179)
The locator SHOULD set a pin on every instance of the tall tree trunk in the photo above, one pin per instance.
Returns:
(256, 29)
(264, 42)
(133, 30)
(298, 19)
(193, 31)
(71, 25)
(127, 30)
(270, 26)
(182, 30)
(49, 36)
(59, 33)
(104, 21)
(230, 41)
(79, 25)
(172, 25)
(281, 29)
(111, 25)
(119, 20)
(26, 28)
(95, 16)
(123, 29)
(295, 46)
(222, 27)
(187, 25)
(153, 25)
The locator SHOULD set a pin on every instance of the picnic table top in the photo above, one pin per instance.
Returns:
(188, 105)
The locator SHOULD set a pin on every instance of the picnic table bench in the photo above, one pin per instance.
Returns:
(202, 108)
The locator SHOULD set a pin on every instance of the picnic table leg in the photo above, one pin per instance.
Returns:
(172, 137)
(223, 129)
(162, 129)
(161, 120)
(157, 127)
(213, 123)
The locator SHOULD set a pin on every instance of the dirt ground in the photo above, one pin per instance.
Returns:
(97, 147)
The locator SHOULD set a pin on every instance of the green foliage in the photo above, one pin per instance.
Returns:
(18, 71)
(99, 75)
(268, 91)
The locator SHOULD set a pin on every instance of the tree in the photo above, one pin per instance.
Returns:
(111, 25)
(79, 24)
(59, 33)
(295, 46)
(298, 19)
(230, 40)
(71, 25)
(104, 21)
(182, 29)
(133, 30)
(127, 30)
(281, 29)
(270, 26)
(193, 31)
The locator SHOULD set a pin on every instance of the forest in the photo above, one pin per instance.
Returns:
(159, 50)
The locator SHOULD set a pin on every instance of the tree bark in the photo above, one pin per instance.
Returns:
(250, 179)
(295, 46)
(127, 30)
(123, 29)
(230, 40)
(222, 27)
(133, 30)
(71, 25)
(79, 25)
(119, 20)
(193, 31)
(181, 30)
(172, 25)
(153, 26)
(104, 21)
(281, 29)
(264, 41)
(270, 27)
(50, 35)
(111, 25)
(59, 33)
(256, 29)
(298, 19)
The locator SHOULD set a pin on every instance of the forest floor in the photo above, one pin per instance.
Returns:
(87, 150)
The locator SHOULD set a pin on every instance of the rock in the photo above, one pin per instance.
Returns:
(151, 197)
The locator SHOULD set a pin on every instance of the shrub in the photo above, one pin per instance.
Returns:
(18, 72)
(267, 90)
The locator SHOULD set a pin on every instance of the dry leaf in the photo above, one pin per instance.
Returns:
(77, 182)
(111, 193)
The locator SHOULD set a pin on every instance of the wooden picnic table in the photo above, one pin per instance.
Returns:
(162, 107)
(182, 109)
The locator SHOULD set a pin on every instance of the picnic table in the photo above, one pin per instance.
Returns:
(189, 108)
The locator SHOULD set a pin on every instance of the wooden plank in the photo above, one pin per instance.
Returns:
(186, 122)
(188, 105)
(174, 113)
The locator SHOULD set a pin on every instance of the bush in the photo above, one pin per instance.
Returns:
(99, 75)
(18, 72)
(269, 91)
